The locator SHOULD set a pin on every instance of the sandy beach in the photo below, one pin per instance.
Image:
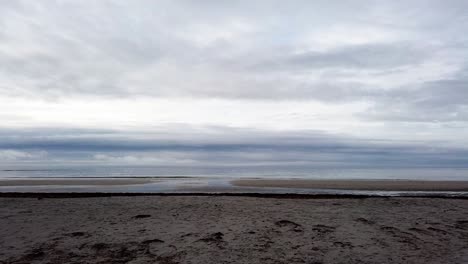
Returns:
(371, 185)
(74, 181)
(196, 229)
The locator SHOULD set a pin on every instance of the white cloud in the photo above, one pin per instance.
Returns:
(150, 113)
(15, 155)
(155, 159)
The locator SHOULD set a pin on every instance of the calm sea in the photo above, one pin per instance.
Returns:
(241, 172)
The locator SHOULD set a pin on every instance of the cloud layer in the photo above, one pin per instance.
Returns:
(368, 71)
(219, 147)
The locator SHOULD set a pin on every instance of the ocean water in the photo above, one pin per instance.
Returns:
(217, 179)
(239, 172)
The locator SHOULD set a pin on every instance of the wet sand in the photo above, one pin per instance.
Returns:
(74, 181)
(216, 229)
(370, 185)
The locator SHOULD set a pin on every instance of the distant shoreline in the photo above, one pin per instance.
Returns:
(301, 196)
(364, 185)
(228, 185)
(13, 182)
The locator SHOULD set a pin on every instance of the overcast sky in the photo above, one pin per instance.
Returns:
(359, 83)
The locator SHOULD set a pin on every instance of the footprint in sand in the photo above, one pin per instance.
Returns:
(323, 229)
(77, 234)
(290, 225)
(141, 216)
(403, 237)
(214, 238)
(365, 221)
(343, 244)
(462, 224)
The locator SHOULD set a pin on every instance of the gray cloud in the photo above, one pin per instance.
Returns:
(437, 101)
(224, 147)
(406, 62)
(373, 56)
(71, 48)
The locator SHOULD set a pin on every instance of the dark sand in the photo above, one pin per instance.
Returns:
(215, 229)
(370, 185)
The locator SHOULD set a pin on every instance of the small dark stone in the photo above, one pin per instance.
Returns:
(141, 216)
(149, 241)
(77, 234)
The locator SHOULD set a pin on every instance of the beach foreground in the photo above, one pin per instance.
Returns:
(196, 229)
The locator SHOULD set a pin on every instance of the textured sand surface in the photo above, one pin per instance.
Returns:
(233, 230)
(371, 185)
